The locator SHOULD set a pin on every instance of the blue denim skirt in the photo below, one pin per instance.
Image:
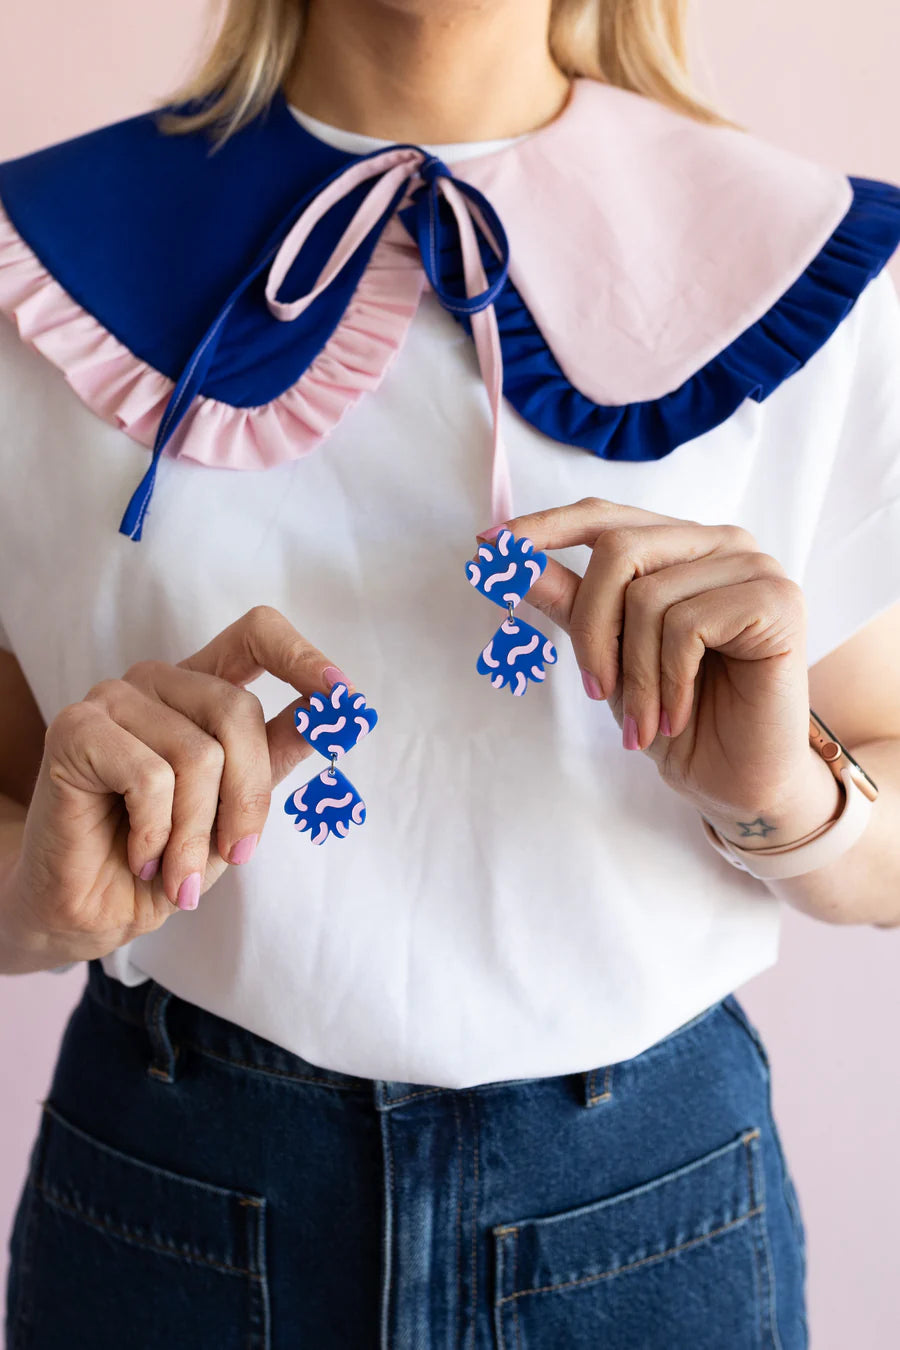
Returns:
(193, 1185)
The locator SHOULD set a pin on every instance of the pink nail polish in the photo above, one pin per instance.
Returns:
(492, 533)
(244, 849)
(591, 684)
(630, 733)
(149, 870)
(665, 725)
(189, 891)
(334, 675)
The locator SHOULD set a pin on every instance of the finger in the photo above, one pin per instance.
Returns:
(90, 757)
(286, 746)
(197, 761)
(618, 558)
(617, 530)
(579, 523)
(753, 620)
(650, 684)
(235, 718)
(264, 640)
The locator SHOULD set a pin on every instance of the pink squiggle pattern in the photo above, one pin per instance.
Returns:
(514, 653)
(500, 576)
(131, 395)
(324, 727)
(336, 802)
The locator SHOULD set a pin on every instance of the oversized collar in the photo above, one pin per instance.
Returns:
(630, 276)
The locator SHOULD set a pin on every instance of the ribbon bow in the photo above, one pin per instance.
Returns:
(396, 173)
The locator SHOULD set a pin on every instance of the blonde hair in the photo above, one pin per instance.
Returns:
(634, 44)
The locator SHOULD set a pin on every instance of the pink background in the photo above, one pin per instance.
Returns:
(815, 75)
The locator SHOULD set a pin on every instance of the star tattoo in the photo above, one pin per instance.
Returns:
(748, 827)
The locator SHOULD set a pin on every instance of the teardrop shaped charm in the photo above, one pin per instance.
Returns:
(327, 804)
(515, 655)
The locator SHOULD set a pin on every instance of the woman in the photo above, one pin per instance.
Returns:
(471, 1073)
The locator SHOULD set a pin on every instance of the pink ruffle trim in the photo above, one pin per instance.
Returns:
(129, 394)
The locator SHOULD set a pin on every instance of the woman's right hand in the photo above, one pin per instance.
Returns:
(148, 789)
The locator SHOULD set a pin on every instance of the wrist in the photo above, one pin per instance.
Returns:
(813, 799)
(24, 947)
(22, 951)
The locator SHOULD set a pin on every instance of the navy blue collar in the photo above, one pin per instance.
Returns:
(161, 238)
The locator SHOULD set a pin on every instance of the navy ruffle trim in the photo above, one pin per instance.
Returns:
(752, 366)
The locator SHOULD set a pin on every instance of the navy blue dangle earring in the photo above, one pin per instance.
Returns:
(332, 724)
(505, 571)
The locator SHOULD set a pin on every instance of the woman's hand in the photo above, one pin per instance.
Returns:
(696, 639)
(150, 787)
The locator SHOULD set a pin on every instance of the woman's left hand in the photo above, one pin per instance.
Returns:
(690, 621)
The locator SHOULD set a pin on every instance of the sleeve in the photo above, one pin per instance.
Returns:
(852, 570)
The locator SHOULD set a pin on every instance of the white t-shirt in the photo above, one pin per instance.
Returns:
(526, 897)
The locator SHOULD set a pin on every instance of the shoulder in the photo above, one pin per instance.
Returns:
(135, 164)
(670, 259)
(147, 230)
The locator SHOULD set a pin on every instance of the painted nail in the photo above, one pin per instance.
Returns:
(630, 733)
(244, 849)
(189, 891)
(334, 675)
(491, 533)
(149, 870)
(665, 725)
(591, 684)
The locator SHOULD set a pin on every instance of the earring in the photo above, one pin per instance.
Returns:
(332, 724)
(504, 572)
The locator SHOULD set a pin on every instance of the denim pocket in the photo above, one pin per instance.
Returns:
(681, 1262)
(112, 1251)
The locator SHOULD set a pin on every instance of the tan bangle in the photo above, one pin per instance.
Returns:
(821, 846)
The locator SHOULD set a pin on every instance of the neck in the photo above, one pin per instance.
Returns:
(410, 70)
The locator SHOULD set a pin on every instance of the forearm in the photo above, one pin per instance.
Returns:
(863, 885)
(12, 826)
(21, 949)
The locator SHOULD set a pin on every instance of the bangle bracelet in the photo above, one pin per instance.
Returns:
(823, 845)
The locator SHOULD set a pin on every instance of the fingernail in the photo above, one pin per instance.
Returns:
(189, 892)
(629, 733)
(333, 675)
(244, 849)
(491, 533)
(665, 725)
(149, 870)
(591, 684)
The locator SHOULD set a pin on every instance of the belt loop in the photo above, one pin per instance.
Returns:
(597, 1085)
(162, 1053)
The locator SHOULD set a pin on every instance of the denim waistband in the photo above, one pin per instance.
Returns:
(173, 1023)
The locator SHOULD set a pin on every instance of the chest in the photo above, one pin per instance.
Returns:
(370, 530)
